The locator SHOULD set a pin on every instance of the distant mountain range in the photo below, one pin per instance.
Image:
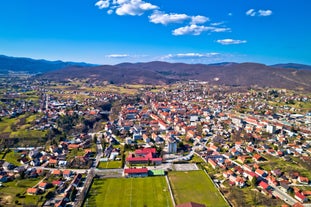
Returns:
(237, 74)
(292, 66)
(291, 76)
(18, 64)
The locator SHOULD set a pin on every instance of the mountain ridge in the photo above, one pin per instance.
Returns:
(19, 64)
(292, 66)
(159, 72)
(239, 74)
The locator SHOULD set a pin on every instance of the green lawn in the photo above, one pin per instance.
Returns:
(12, 157)
(16, 129)
(196, 159)
(142, 192)
(278, 163)
(15, 192)
(195, 186)
(110, 164)
(73, 153)
(22, 133)
(5, 124)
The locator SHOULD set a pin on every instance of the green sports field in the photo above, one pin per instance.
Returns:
(195, 186)
(136, 192)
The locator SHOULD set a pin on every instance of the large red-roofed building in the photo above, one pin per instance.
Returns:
(136, 172)
(144, 156)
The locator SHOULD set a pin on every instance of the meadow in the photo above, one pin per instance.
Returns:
(14, 193)
(144, 192)
(195, 186)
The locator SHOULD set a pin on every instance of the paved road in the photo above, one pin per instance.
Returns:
(109, 173)
(284, 196)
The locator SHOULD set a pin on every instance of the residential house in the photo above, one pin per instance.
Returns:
(300, 197)
(7, 166)
(4, 178)
(284, 187)
(32, 191)
(43, 185)
(212, 163)
(240, 182)
(250, 175)
(242, 159)
(52, 162)
(67, 174)
(261, 172)
(76, 180)
(303, 180)
(57, 172)
(264, 185)
(258, 158)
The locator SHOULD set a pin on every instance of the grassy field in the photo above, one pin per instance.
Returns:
(12, 157)
(195, 186)
(28, 134)
(5, 124)
(142, 192)
(278, 163)
(110, 164)
(13, 193)
(196, 159)
(17, 129)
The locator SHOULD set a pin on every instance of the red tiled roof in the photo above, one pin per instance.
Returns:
(298, 205)
(42, 184)
(56, 182)
(32, 190)
(257, 156)
(73, 146)
(66, 172)
(300, 196)
(263, 184)
(145, 151)
(56, 172)
(260, 172)
(137, 159)
(306, 193)
(52, 161)
(251, 173)
(135, 170)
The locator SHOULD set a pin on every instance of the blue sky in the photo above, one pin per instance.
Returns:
(192, 31)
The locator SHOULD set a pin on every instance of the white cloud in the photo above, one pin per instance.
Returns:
(265, 13)
(103, 4)
(199, 19)
(191, 29)
(189, 55)
(159, 17)
(126, 7)
(251, 12)
(117, 56)
(231, 41)
(134, 7)
(217, 23)
(139, 7)
(219, 29)
(197, 30)
(262, 13)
